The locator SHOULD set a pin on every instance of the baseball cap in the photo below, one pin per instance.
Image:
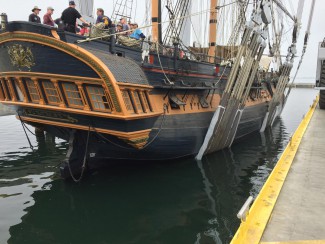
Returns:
(72, 3)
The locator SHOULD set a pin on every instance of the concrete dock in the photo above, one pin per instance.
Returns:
(291, 205)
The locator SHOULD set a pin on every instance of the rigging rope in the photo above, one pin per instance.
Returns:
(305, 44)
(161, 66)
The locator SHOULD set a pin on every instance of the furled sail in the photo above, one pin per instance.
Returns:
(86, 9)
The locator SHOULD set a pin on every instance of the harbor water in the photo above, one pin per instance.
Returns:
(182, 201)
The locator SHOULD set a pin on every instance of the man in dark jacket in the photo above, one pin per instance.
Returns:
(34, 16)
(70, 16)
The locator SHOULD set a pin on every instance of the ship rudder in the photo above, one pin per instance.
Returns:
(74, 166)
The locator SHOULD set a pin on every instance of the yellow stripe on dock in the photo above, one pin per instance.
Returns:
(297, 242)
(251, 230)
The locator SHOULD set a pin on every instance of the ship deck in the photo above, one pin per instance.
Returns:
(290, 207)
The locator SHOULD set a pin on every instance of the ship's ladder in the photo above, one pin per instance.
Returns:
(122, 9)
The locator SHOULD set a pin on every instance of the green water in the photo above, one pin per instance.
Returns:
(175, 202)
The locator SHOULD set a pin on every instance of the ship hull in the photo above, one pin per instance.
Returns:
(173, 137)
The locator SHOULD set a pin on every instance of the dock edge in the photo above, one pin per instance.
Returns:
(251, 230)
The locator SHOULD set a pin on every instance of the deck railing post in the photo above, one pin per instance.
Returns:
(4, 21)
(113, 40)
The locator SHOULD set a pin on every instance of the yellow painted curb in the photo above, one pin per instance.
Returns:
(297, 242)
(251, 230)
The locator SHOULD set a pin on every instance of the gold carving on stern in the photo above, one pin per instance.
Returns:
(137, 143)
(21, 56)
(48, 115)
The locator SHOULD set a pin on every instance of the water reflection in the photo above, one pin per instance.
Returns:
(231, 175)
(175, 202)
(22, 171)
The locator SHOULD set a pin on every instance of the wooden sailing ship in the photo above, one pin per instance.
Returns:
(110, 103)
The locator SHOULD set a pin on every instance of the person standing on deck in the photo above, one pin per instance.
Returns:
(119, 28)
(137, 33)
(59, 23)
(70, 16)
(101, 18)
(124, 24)
(34, 16)
(47, 18)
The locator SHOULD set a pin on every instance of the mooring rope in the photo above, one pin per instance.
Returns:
(23, 125)
(162, 122)
(145, 146)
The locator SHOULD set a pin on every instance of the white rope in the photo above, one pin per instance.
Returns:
(311, 15)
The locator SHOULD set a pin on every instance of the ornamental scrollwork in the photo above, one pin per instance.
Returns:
(21, 56)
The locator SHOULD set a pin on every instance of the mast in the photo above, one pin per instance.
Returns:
(156, 21)
(213, 29)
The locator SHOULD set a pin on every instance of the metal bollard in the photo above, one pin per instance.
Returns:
(4, 21)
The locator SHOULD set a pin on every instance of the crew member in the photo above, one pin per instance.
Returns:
(47, 18)
(59, 23)
(101, 18)
(70, 16)
(137, 33)
(84, 31)
(124, 24)
(33, 17)
(119, 28)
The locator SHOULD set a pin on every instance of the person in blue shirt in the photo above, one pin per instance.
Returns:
(101, 18)
(137, 33)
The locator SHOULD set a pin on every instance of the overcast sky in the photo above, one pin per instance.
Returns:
(20, 10)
